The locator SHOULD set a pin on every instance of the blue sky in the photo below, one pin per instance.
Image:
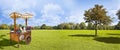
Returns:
(53, 12)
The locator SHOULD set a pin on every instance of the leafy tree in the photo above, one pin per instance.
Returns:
(55, 27)
(67, 26)
(82, 25)
(118, 25)
(11, 26)
(77, 26)
(111, 27)
(48, 27)
(61, 26)
(43, 26)
(90, 26)
(4, 26)
(72, 25)
(118, 14)
(97, 15)
(37, 27)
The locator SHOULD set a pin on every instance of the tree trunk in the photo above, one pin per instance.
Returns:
(95, 28)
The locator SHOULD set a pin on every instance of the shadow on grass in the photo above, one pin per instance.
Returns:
(6, 42)
(112, 40)
(1, 36)
(113, 34)
(81, 35)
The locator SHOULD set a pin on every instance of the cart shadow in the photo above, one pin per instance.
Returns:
(81, 35)
(112, 40)
(1, 36)
(6, 42)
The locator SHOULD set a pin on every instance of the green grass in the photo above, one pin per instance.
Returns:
(66, 40)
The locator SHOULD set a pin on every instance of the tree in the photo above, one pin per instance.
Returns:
(43, 26)
(37, 27)
(72, 25)
(61, 26)
(118, 25)
(67, 26)
(97, 15)
(11, 26)
(4, 26)
(82, 25)
(55, 27)
(118, 14)
(48, 27)
(77, 26)
(90, 26)
(100, 27)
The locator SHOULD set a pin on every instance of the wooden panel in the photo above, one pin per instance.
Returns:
(14, 36)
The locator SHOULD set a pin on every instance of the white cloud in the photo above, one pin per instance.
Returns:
(16, 5)
(51, 14)
(112, 14)
(75, 16)
(52, 9)
(20, 6)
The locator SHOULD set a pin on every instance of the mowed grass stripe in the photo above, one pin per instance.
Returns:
(67, 40)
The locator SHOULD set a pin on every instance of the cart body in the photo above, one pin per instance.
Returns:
(15, 36)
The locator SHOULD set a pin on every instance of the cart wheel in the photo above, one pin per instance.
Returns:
(28, 40)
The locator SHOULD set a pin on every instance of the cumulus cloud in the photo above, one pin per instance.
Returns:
(16, 5)
(75, 16)
(51, 14)
(20, 6)
(112, 14)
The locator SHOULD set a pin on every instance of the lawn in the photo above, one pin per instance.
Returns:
(65, 40)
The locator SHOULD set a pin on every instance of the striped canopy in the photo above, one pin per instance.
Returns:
(18, 15)
(26, 15)
(15, 15)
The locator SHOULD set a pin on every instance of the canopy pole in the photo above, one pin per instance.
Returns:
(26, 21)
(14, 22)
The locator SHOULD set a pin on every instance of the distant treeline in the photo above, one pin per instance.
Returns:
(72, 26)
(79, 26)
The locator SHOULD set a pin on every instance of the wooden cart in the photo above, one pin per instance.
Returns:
(14, 35)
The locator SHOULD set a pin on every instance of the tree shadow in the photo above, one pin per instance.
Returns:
(112, 40)
(81, 35)
(113, 33)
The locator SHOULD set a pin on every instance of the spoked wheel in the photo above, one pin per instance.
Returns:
(28, 40)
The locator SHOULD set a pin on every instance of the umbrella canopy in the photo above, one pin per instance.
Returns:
(27, 15)
(15, 15)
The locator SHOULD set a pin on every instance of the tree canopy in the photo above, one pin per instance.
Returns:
(118, 25)
(97, 15)
(118, 14)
